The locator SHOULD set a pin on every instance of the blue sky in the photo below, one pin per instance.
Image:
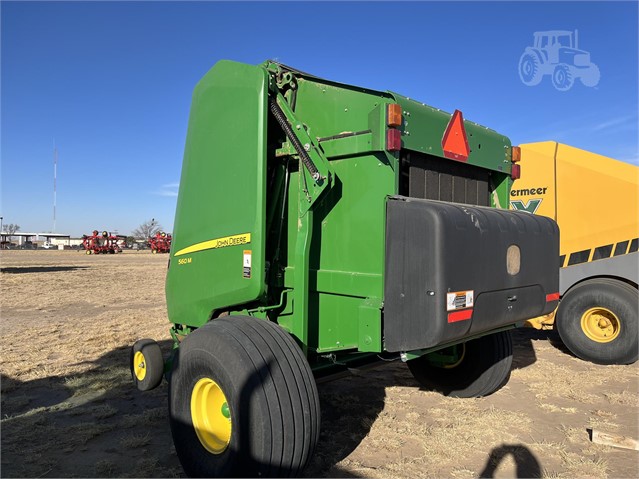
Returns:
(111, 84)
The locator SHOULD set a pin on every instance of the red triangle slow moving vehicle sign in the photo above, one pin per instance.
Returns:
(454, 142)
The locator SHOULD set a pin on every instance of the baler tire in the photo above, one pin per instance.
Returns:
(616, 304)
(149, 376)
(483, 369)
(272, 400)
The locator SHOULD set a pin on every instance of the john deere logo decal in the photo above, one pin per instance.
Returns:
(234, 240)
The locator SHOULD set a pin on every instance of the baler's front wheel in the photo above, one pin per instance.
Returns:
(474, 369)
(147, 364)
(242, 401)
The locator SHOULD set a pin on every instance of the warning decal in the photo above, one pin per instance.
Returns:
(459, 300)
(246, 264)
(455, 142)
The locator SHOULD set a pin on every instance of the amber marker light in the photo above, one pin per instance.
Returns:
(516, 154)
(393, 115)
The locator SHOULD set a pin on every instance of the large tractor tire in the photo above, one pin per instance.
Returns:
(598, 321)
(479, 367)
(242, 401)
(530, 69)
(562, 77)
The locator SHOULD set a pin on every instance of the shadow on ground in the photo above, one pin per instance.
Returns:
(96, 424)
(39, 269)
(350, 407)
(93, 424)
(527, 465)
(524, 340)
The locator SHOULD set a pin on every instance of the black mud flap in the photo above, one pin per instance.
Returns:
(453, 271)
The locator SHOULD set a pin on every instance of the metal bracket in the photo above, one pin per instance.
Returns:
(317, 172)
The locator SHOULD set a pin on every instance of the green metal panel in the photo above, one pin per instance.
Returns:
(500, 184)
(222, 196)
(332, 250)
(347, 228)
(423, 129)
(329, 109)
(347, 252)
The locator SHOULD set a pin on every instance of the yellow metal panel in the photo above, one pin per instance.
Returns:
(597, 197)
(597, 204)
(535, 190)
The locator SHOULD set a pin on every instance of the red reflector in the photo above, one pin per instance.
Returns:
(515, 173)
(454, 142)
(460, 315)
(552, 297)
(393, 140)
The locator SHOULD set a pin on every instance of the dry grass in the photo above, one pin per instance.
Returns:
(552, 380)
(554, 408)
(69, 406)
(135, 440)
(624, 398)
(106, 468)
(103, 412)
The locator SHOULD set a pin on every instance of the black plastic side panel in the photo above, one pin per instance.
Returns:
(434, 248)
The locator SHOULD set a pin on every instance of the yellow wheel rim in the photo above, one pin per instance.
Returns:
(600, 324)
(139, 366)
(211, 416)
(459, 361)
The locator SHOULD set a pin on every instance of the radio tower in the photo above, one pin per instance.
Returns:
(55, 175)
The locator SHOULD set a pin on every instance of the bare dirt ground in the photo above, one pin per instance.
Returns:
(69, 408)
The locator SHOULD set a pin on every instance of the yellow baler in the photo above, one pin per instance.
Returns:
(595, 201)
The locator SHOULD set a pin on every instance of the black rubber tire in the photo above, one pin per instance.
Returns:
(154, 364)
(618, 297)
(484, 368)
(270, 390)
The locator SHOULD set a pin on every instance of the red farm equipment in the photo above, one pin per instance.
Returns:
(102, 243)
(160, 243)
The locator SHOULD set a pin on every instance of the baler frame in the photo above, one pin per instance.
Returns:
(321, 167)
